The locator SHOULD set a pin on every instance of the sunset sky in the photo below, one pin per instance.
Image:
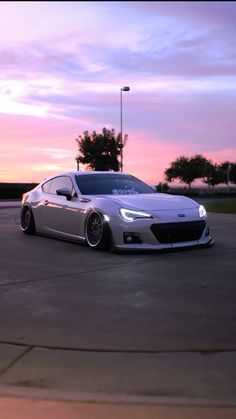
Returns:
(63, 64)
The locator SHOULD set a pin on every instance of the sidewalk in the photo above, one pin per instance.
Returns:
(15, 408)
(10, 204)
(51, 383)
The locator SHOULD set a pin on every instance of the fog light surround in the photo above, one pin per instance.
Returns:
(131, 238)
(207, 233)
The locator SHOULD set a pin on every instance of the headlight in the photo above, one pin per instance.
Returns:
(202, 211)
(130, 215)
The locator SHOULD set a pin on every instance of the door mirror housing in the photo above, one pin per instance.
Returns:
(64, 192)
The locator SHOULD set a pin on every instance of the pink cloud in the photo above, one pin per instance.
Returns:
(179, 61)
(32, 148)
(147, 159)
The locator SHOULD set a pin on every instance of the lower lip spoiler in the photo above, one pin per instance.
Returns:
(165, 248)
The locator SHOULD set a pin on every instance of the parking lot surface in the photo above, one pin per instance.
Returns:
(138, 331)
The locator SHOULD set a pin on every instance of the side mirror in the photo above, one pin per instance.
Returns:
(64, 192)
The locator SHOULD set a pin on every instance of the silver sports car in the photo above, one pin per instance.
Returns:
(111, 210)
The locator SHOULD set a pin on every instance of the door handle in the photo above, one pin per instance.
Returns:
(84, 199)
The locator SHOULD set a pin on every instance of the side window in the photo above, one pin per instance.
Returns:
(46, 186)
(61, 182)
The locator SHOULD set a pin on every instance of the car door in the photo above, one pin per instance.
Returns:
(61, 216)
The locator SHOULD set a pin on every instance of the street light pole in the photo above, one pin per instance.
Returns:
(123, 89)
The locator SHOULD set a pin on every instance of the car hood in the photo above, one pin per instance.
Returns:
(153, 202)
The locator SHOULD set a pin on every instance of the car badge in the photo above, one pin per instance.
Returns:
(181, 215)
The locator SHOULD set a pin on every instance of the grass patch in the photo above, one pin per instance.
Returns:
(226, 206)
(9, 200)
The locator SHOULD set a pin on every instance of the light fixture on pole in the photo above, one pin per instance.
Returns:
(123, 89)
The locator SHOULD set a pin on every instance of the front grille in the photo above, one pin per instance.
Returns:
(178, 232)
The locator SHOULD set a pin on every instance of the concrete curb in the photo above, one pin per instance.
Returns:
(91, 397)
(10, 204)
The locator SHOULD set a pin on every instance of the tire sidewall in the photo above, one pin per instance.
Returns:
(30, 228)
(104, 241)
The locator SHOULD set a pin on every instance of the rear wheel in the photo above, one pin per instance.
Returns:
(27, 220)
(97, 231)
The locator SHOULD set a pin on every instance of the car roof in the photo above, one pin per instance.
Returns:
(94, 172)
(81, 173)
(88, 172)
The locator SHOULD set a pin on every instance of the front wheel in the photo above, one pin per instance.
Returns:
(97, 231)
(27, 223)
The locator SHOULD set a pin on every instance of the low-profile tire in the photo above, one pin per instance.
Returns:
(97, 231)
(27, 223)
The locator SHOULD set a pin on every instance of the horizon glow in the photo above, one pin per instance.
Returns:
(63, 64)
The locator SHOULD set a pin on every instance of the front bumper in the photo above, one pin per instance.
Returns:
(150, 235)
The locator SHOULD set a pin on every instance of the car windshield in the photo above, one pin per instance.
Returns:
(111, 184)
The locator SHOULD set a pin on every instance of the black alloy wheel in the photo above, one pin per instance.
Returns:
(96, 231)
(27, 220)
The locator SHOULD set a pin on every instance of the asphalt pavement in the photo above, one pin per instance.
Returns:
(86, 334)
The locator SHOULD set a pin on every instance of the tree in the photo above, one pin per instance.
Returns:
(180, 169)
(188, 169)
(213, 175)
(162, 187)
(200, 166)
(232, 173)
(227, 172)
(100, 151)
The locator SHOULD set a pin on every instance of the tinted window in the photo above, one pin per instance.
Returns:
(110, 184)
(61, 182)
